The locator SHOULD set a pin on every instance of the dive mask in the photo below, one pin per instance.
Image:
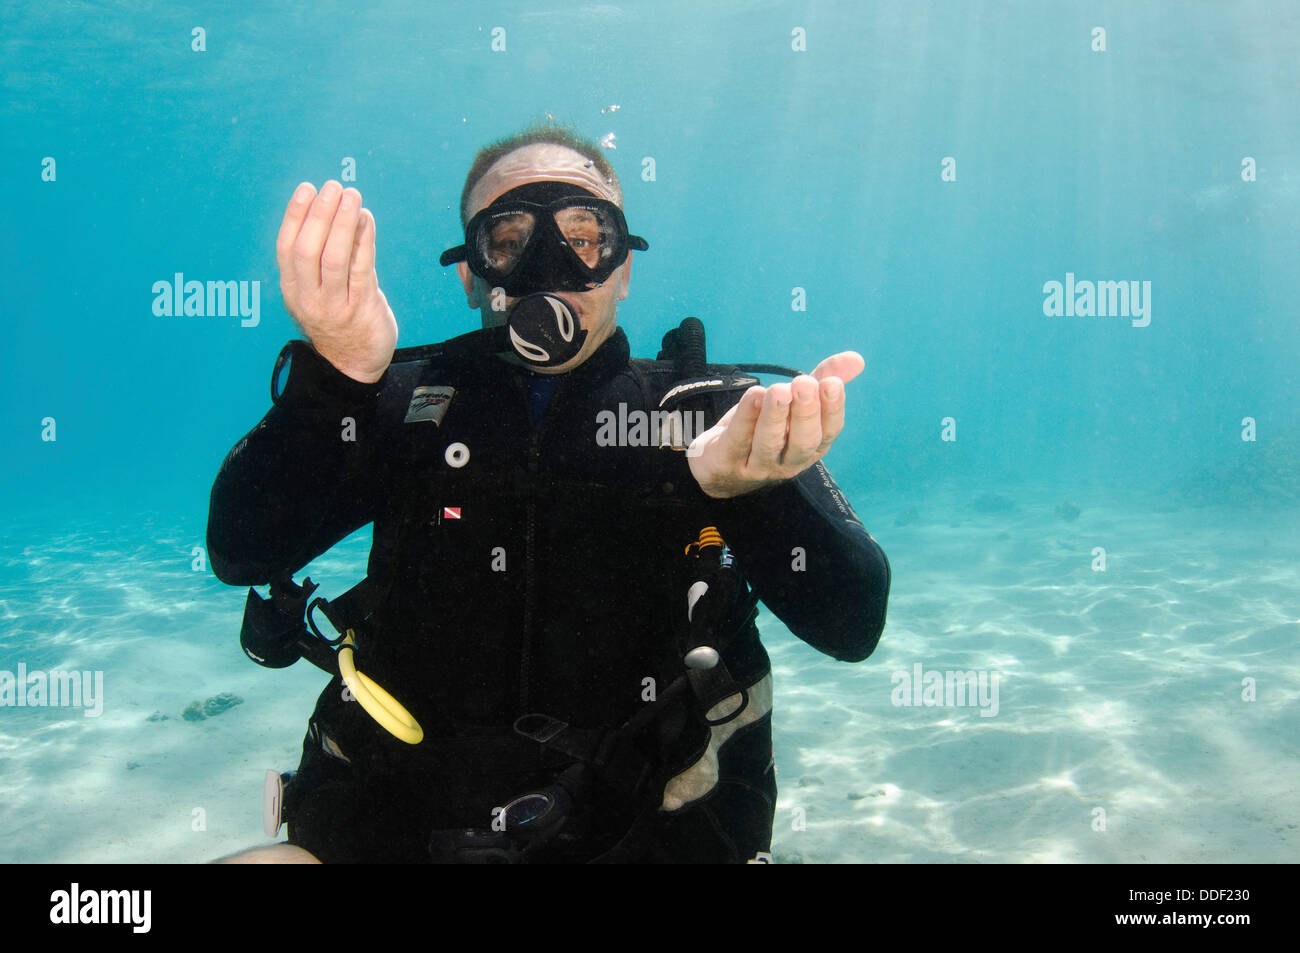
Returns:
(545, 236)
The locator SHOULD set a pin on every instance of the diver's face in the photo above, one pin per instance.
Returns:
(597, 309)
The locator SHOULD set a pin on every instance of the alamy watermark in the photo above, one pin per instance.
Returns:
(1101, 299)
(39, 689)
(178, 297)
(129, 907)
(657, 428)
(952, 689)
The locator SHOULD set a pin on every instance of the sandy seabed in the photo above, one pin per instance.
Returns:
(1123, 732)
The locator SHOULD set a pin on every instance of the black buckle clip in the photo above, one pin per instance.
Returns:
(539, 728)
(324, 605)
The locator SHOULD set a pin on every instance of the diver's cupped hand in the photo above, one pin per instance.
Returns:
(774, 433)
(326, 253)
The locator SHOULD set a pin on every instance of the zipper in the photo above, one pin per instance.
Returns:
(530, 598)
(534, 467)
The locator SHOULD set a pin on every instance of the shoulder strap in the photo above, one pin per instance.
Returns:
(476, 343)
(694, 377)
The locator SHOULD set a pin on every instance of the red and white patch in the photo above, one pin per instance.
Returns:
(451, 512)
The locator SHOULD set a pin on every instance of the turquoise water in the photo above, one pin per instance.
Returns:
(1162, 691)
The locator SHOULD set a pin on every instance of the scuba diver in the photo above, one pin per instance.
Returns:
(553, 657)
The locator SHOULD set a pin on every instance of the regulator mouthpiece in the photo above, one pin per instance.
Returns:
(544, 330)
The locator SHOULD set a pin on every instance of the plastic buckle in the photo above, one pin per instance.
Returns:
(323, 603)
(539, 728)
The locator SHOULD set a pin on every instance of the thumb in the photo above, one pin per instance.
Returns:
(845, 365)
(363, 250)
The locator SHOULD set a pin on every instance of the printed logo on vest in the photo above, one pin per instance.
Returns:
(429, 403)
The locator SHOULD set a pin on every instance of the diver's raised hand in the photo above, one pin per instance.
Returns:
(774, 433)
(326, 252)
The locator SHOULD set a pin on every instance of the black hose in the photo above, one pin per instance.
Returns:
(690, 359)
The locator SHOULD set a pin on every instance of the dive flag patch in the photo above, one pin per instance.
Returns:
(451, 512)
(429, 403)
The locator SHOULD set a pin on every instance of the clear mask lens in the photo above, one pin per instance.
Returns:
(590, 232)
(504, 237)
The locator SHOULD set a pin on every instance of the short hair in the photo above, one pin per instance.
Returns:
(551, 132)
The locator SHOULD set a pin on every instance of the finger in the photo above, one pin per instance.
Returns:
(832, 411)
(726, 418)
(294, 214)
(771, 429)
(336, 259)
(363, 251)
(309, 244)
(845, 365)
(804, 442)
(738, 438)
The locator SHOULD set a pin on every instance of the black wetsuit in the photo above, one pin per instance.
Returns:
(540, 576)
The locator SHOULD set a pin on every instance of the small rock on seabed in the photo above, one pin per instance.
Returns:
(210, 708)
